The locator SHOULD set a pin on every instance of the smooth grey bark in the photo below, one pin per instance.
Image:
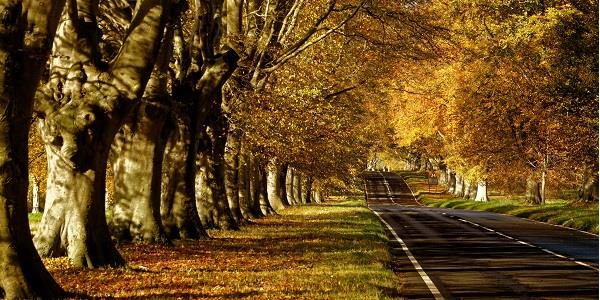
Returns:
(532, 193)
(263, 195)
(137, 163)
(232, 174)
(137, 158)
(589, 188)
(451, 181)
(468, 189)
(274, 186)
(282, 177)
(24, 46)
(245, 196)
(85, 104)
(482, 194)
(289, 186)
(255, 188)
(204, 199)
(179, 213)
(459, 188)
(307, 190)
(298, 187)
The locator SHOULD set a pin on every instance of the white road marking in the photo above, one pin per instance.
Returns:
(526, 243)
(432, 288)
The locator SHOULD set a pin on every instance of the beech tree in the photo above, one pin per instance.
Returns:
(82, 106)
(26, 30)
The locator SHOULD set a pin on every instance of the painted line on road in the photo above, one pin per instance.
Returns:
(387, 186)
(432, 288)
(526, 243)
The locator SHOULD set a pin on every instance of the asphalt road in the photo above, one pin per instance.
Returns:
(459, 254)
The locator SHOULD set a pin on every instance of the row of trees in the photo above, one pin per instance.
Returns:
(512, 98)
(205, 114)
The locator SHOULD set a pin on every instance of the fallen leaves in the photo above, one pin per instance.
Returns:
(307, 252)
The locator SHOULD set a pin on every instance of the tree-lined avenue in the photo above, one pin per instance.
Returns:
(479, 255)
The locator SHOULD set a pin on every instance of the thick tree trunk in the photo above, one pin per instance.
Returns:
(307, 190)
(179, 212)
(443, 177)
(244, 188)
(80, 123)
(232, 169)
(216, 132)
(482, 194)
(289, 186)
(298, 187)
(24, 45)
(205, 201)
(263, 186)
(589, 188)
(469, 189)
(533, 191)
(282, 177)
(74, 221)
(451, 181)
(255, 188)
(274, 186)
(459, 189)
(137, 156)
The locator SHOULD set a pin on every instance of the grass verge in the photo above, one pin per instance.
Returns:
(336, 250)
(558, 212)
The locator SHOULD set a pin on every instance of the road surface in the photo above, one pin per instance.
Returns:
(459, 254)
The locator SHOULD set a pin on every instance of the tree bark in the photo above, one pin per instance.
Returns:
(459, 189)
(307, 190)
(533, 191)
(79, 127)
(451, 181)
(179, 211)
(232, 175)
(263, 186)
(589, 188)
(469, 189)
(482, 194)
(244, 187)
(23, 51)
(289, 186)
(282, 177)
(298, 187)
(137, 158)
(274, 186)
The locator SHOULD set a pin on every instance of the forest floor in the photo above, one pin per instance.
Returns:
(334, 250)
(572, 214)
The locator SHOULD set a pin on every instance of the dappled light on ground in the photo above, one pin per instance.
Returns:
(308, 252)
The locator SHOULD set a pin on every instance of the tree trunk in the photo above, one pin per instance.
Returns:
(533, 191)
(298, 187)
(232, 162)
(459, 189)
(179, 211)
(263, 185)
(217, 134)
(482, 194)
(205, 201)
(22, 273)
(451, 182)
(74, 221)
(137, 155)
(543, 186)
(307, 190)
(244, 187)
(137, 158)
(289, 186)
(274, 186)
(79, 125)
(469, 189)
(589, 188)
(282, 172)
(35, 196)
(255, 188)
(443, 177)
